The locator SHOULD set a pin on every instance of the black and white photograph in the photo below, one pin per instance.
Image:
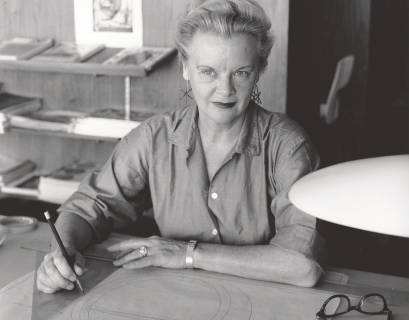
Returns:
(113, 23)
(204, 159)
(113, 15)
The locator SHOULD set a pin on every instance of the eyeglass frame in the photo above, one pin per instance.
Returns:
(322, 316)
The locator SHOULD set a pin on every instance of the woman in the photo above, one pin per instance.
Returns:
(217, 173)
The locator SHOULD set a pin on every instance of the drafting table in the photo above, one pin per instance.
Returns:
(188, 294)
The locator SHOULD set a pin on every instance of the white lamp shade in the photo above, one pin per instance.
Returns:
(369, 194)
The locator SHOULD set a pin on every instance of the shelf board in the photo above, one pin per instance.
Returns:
(18, 196)
(62, 135)
(92, 66)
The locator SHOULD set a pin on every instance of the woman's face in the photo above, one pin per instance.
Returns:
(222, 73)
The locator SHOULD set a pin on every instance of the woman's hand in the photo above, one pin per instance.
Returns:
(55, 273)
(164, 253)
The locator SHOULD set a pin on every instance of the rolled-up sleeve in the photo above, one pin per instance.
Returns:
(117, 194)
(296, 231)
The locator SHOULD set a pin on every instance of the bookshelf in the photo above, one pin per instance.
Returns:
(92, 66)
(88, 86)
(83, 86)
(62, 135)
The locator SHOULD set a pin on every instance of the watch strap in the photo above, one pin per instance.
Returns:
(189, 254)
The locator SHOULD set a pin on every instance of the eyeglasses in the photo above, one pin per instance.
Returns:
(371, 304)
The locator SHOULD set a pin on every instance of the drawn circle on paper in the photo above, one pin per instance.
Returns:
(165, 298)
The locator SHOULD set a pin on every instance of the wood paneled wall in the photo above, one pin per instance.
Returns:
(321, 33)
(158, 92)
(273, 84)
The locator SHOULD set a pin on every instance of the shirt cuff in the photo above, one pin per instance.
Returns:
(302, 240)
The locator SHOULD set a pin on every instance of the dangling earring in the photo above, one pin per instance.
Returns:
(255, 95)
(186, 93)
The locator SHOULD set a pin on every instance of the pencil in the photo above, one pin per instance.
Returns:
(64, 251)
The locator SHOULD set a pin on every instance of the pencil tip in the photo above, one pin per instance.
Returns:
(80, 287)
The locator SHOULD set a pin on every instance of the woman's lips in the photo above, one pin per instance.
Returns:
(224, 105)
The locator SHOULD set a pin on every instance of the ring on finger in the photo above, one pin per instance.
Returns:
(144, 251)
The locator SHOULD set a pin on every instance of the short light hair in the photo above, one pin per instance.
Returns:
(226, 18)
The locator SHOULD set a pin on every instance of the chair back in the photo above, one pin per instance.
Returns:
(330, 110)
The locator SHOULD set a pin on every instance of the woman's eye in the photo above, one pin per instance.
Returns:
(208, 72)
(242, 74)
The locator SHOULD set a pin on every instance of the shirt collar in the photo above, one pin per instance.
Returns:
(184, 134)
(248, 142)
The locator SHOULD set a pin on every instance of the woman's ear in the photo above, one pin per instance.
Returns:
(185, 73)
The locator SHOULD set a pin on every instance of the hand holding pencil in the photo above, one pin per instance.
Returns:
(60, 267)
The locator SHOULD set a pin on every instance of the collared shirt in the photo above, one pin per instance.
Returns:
(161, 164)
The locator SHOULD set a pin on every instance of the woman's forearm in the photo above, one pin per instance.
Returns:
(74, 231)
(262, 262)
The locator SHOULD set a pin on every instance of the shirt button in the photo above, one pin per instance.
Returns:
(215, 195)
(214, 231)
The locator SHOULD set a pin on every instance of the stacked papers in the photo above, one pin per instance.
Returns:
(12, 169)
(13, 104)
(109, 123)
(58, 186)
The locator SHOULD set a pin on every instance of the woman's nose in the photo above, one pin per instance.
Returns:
(225, 86)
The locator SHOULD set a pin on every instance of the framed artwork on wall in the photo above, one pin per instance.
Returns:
(115, 23)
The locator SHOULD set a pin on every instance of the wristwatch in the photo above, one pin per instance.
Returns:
(189, 254)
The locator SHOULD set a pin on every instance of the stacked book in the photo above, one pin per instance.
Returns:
(12, 104)
(59, 185)
(26, 185)
(23, 48)
(69, 52)
(46, 120)
(109, 123)
(145, 57)
(12, 169)
(44, 50)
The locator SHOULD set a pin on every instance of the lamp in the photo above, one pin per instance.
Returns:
(369, 194)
